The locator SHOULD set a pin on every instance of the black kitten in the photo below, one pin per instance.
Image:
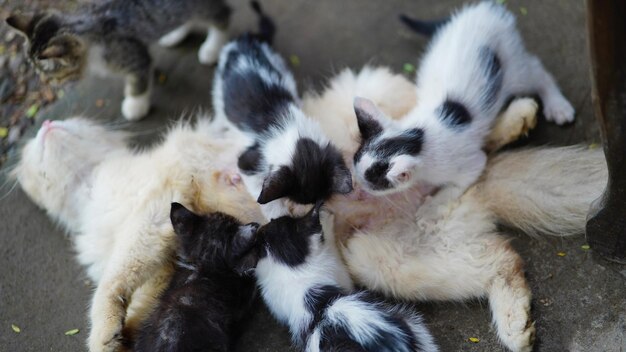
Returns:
(291, 157)
(206, 298)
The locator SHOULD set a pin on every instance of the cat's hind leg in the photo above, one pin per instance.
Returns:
(534, 78)
(217, 35)
(131, 57)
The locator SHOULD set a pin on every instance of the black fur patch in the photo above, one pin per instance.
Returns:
(368, 126)
(494, 75)
(454, 114)
(253, 104)
(250, 161)
(408, 143)
(316, 171)
(287, 238)
(376, 175)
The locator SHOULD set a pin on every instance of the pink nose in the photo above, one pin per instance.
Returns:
(47, 123)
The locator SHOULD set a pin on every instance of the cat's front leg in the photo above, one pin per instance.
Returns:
(107, 315)
(131, 57)
(217, 36)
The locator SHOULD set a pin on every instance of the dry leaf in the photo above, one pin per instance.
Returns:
(585, 247)
(474, 339)
(16, 328)
(100, 103)
(561, 254)
(295, 60)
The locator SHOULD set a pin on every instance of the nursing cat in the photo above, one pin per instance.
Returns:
(289, 161)
(115, 203)
(206, 299)
(306, 286)
(389, 250)
(118, 32)
(474, 64)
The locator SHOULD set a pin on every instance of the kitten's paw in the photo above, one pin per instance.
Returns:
(558, 110)
(136, 107)
(174, 37)
(209, 53)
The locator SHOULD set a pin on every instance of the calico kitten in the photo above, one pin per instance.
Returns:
(206, 298)
(305, 285)
(290, 159)
(118, 32)
(474, 64)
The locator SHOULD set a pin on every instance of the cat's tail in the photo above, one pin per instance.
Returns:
(267, 28)
(544, 190)
(425, 28)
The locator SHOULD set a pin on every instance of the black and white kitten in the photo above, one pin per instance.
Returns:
(290, 158)
(117, 33)
(307, 287)
(475, 62)
(206, 298)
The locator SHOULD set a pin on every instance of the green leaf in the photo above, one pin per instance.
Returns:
(4, 132)
(523, 11)
(16, 328)
(32, 111)
(561, 254)
(474, 339)
(408, 68)
(585, 247)
(72, 332)
(295, 60)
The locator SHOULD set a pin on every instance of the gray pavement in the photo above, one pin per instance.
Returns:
(579, 300)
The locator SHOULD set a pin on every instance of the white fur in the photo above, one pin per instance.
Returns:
(210, 50)
(453, 69)
(135, 107)
(116, 204)
(461, 255)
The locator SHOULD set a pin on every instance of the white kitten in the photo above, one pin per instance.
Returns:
(474, 64)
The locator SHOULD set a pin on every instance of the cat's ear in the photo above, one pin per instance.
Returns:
(182, 219)
(342, 179)
(276, 185)
(53, 51)
(23, 23)
(367, 117)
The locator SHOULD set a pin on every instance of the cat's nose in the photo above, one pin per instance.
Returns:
(47, 123)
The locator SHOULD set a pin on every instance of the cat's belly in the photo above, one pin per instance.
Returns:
(364, 212)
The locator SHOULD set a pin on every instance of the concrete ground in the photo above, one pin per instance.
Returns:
(579, 300)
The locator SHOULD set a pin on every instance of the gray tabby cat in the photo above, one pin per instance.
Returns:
(118, 32)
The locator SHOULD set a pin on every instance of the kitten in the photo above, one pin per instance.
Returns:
(115, 203)
(118, 32)
(388, 250)
(305, 285)
(289, 158)
(206, 298)
(474, 64)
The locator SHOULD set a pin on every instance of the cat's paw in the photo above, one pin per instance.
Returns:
(558, 110)
(136, 107)
(517, 120)
(106, 336)
(209, 53)
(519, 335)
(174, 37)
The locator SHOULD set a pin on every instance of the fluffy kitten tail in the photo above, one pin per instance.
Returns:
(267, 28)
(426, 28)
(544, 190)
